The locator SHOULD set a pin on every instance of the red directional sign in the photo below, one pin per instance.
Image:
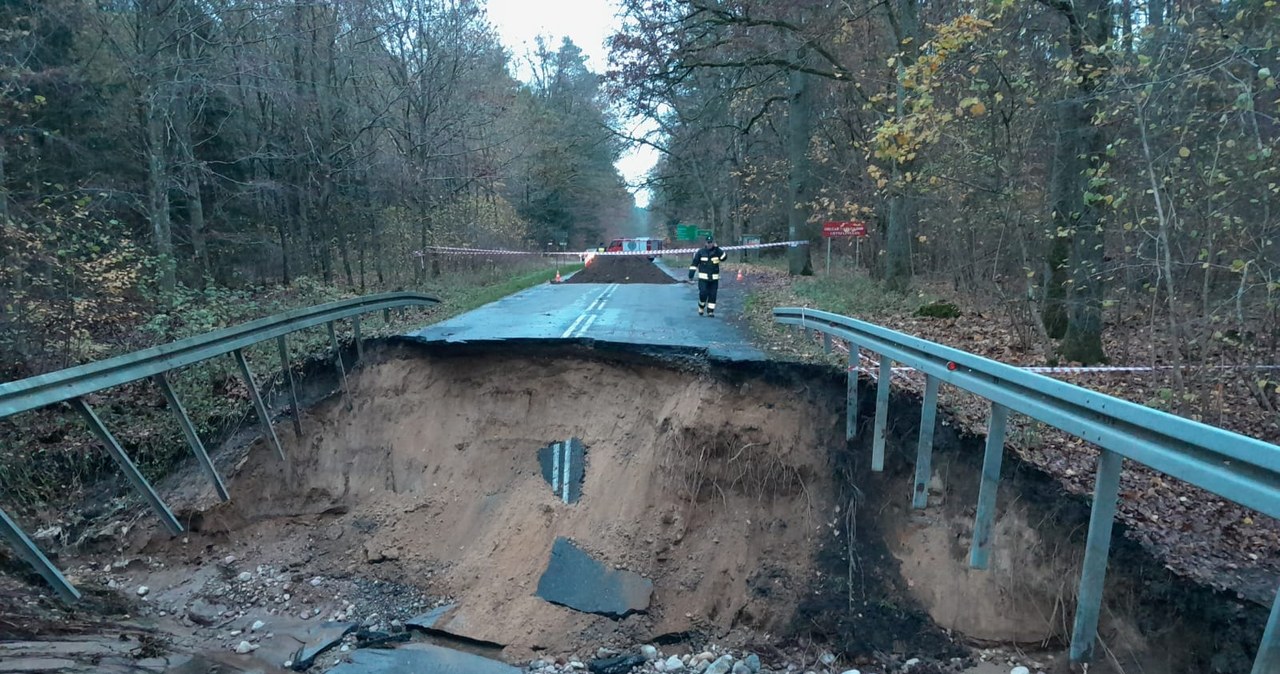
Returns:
(844, 228)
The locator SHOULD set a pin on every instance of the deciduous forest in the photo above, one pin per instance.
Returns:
(168, 167)
(153, 152)
(1073, 161)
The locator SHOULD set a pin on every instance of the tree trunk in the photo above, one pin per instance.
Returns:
(1090, 24)
(799, 126)
(191, 193)
(379, 265)
(4, 191)
(1065, 184)
(898, 240)
(344, 249)
(282, 225)
(902, 207)
(158, 194)
(195, 216)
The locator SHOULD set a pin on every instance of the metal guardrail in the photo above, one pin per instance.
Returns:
(71, 384)
(1236, 467)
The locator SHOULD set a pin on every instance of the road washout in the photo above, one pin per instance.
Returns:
(420, 496)
(427, 471)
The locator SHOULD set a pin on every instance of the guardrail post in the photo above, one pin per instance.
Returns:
(1106, 491)
(882, 413)
(355, 331)
(126, 464)
(851, 395)
(984, 522)
(337, 355)
(28, 551)
(283, 345)
(386, 317)
(1268, 660)
(193, 438)
(826, 342)
(924, 450)
(263, 415)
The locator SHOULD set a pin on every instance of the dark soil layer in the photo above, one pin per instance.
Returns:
(1153, 620)
(621, 269)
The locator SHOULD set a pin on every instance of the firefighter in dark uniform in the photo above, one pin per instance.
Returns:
(706, 266)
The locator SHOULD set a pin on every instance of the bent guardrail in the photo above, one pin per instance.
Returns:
(1239, 468)
(71, 384)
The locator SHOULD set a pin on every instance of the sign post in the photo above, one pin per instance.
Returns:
(843, 229)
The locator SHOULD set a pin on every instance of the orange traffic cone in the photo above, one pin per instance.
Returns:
(739, 276)
(557, 276)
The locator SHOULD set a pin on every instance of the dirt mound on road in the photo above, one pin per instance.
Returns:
(621, 269)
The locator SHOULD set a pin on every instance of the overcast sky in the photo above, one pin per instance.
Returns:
(588, 23)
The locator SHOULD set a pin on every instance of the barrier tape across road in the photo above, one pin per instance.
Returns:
(456, 250)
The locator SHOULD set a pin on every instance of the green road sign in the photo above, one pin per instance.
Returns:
(686, 232)
(704, 233)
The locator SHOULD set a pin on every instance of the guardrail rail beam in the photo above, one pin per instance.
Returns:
(1236, 467)
(71, 384)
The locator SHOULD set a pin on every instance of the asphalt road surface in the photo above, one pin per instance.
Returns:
(643, 314)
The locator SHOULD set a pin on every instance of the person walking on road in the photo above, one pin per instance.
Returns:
(706, 265)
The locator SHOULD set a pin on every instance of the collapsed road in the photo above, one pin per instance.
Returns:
(516, 498)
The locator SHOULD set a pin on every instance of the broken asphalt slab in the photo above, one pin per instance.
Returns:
(430, 619)
(576, 580)
(448, 622)
(421, 659)
(622, 664)
(564, 467)
(318, 640)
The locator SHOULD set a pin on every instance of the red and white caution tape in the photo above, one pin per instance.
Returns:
(455, 250)
(871, 366)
